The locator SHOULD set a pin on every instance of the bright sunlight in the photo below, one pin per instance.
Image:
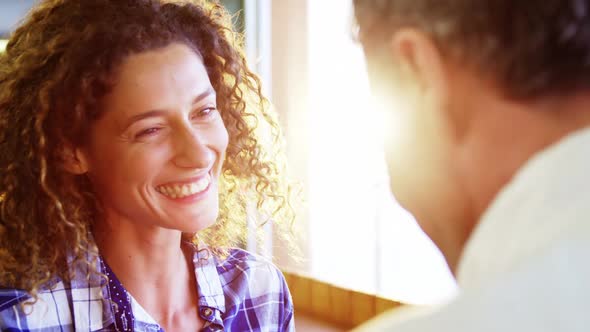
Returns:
(360, 237)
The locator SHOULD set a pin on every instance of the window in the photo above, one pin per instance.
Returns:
(10, 13)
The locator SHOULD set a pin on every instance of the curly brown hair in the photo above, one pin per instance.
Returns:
(530, 48)
(57, 66)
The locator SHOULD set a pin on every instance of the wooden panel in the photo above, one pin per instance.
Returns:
(331, 304)
(382, 304)
(301, 292)
(341, 312)
(321, 301)
(363, 308)
(305, 323)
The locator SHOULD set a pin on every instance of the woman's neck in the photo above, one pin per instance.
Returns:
(152, 266)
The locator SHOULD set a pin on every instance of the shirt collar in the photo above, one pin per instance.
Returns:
(544, 203)
(87, 295)
(208, 283)
(88, 302)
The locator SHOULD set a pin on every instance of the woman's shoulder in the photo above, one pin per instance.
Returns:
(50, 310)
(242, 262)
(10, 297)
(242, 270)
(254, 287)
(57, 306)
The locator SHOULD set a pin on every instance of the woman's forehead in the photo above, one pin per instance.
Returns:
(159, 78)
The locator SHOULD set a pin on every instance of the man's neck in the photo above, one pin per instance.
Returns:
(500, 139)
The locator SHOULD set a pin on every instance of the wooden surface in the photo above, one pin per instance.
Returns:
(305, 323)
(339, 308)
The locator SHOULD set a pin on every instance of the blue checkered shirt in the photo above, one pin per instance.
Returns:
(243, 292)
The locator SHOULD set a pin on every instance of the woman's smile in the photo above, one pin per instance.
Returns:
(192, 189)
(164, 104)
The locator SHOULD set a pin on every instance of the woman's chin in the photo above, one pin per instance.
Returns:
(198, 224)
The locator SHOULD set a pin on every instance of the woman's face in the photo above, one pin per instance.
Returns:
(156, 153)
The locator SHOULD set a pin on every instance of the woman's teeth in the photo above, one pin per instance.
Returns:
(183, 190)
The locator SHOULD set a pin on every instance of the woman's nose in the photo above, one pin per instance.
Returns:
(192, 150)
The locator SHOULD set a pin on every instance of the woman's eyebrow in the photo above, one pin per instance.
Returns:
(210, 91)
(157, 113)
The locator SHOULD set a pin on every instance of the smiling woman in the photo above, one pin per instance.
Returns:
(130, 154)
(155, 157)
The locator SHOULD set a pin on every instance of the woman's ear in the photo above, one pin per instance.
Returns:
(74, 160)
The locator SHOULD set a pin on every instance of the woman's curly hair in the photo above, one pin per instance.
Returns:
(57, 66)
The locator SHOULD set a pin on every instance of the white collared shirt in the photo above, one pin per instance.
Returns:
(526, 267)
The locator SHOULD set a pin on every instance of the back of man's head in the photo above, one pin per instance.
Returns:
(477, 87)
(531, 48)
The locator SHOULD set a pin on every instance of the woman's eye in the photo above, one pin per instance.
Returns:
(205, 112)
(148, 132)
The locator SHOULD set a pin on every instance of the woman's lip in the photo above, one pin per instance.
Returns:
(187, 181)
(191, 198)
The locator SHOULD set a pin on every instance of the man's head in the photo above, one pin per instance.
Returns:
(474, 89)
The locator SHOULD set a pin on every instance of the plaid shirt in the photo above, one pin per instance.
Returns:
(241, 293)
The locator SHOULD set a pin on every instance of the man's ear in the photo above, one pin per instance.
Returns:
(74, 160)
(419, 59)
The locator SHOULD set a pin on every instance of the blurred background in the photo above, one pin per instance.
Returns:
(354, 237)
